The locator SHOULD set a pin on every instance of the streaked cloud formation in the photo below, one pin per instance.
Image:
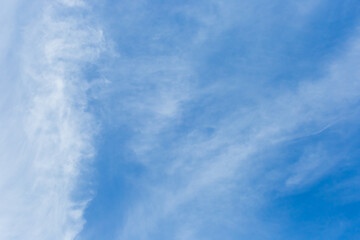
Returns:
(205, 168)
(180, 120)
(46, 136)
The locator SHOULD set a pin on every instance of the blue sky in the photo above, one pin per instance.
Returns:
(184, 120)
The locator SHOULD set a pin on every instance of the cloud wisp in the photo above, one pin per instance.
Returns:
(46, 134)
(203, 168)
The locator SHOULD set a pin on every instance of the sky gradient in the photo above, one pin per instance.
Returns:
(183, 120)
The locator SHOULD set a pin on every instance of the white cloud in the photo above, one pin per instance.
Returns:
(46, 133)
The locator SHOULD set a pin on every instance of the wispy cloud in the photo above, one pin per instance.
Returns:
(203, 168)
(208, 95)
(46, 135)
